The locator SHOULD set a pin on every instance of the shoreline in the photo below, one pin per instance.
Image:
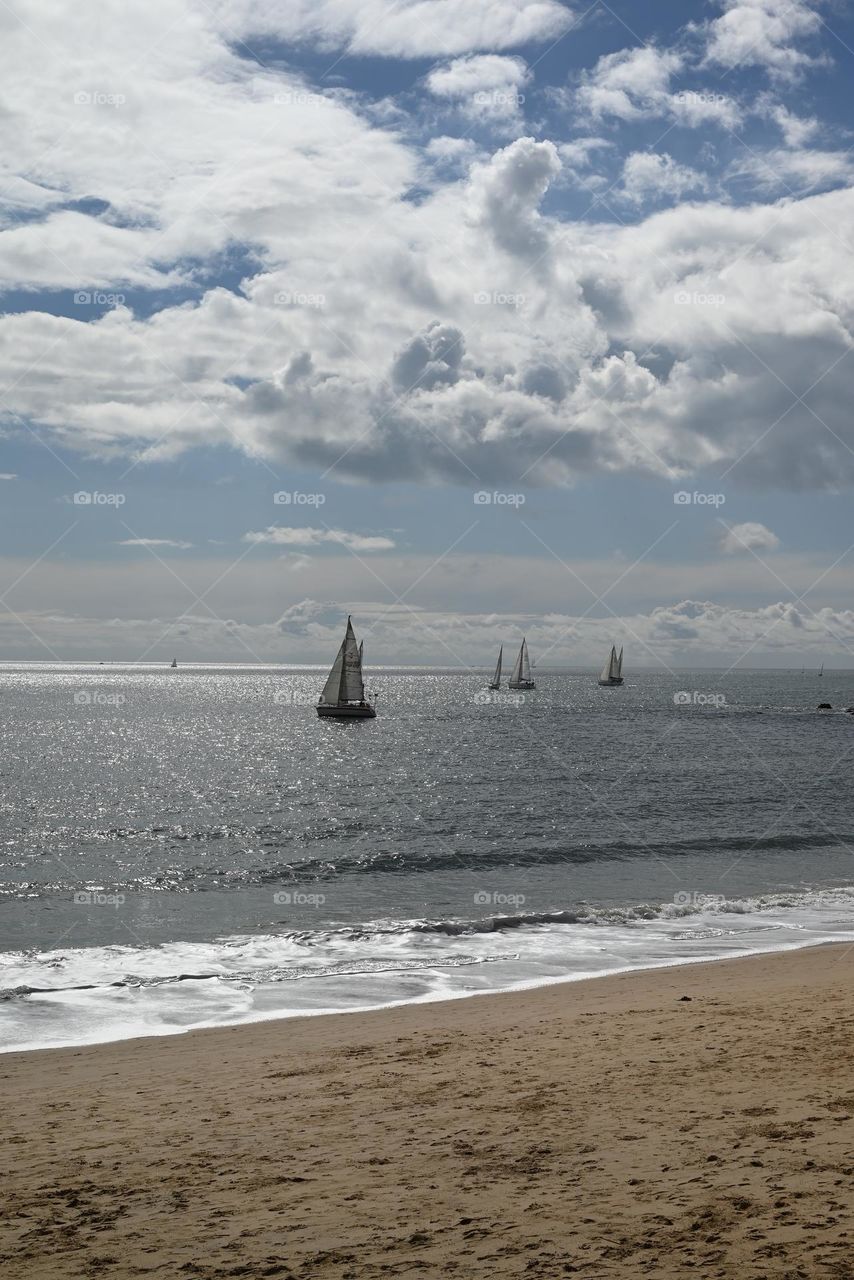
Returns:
(522, 987)
(607, 1127)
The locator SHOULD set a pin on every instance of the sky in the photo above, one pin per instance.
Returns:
(472, 318)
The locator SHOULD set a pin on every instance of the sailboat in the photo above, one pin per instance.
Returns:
(821, 673)
(612, 672)
(343, 694)
(521, 674)
(174, 663)
(495, 682)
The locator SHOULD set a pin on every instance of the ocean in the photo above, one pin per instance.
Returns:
(193, 848)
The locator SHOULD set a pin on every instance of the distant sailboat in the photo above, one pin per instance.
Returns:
(174, 662)
(612, 672)
(521, 675)
(495, 682)
(343, 694)
(821, 673)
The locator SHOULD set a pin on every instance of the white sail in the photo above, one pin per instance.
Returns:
(526, 665)
(522, 668)
(332, 688)
(344, 682)
(496, 679)
(620, 662)
(352, 685)
(608, 669)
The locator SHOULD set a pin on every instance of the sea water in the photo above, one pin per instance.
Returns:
(192, 848)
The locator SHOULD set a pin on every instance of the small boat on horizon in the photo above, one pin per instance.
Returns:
(611, 674)
(174, 663)
(343, 695)
(521, 677)
(495, 682)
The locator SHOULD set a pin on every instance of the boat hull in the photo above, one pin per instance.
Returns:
(521, 684)
(611, 682)
(344, 711)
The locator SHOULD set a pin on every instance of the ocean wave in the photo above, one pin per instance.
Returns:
(201, 878)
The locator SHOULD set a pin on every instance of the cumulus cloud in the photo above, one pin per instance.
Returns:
(400, 28)
(763, 33)
(283, 536)
(464, 332)
(648, 175)
(689, 631)
(430, 359)
(751, 536)
(506, 193)
(635, 84)
(486, 88)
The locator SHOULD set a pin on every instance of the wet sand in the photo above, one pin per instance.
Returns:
(607, 1128)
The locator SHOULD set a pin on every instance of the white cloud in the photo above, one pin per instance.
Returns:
(762, 33)
(506, 193)
(154, 542)
(650, 175)
(795, 171)
(629, 84)
(487, 88)
(8, 475)
(687, 633)
(579, 153)
(796, 130)
(751, 536)
(536, 347)
(283, 536)
(635, 84)
(400, 28)
(465, 76)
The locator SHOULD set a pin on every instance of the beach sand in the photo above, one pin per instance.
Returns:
(606, 1128)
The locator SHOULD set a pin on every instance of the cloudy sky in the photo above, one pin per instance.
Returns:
(471, 317)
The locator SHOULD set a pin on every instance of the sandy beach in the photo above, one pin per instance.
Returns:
(606, 1128)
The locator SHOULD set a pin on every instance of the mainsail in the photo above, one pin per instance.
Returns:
(620, 662)
(344, 683)
(611, 669)
(522, 669)
(496, 679)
